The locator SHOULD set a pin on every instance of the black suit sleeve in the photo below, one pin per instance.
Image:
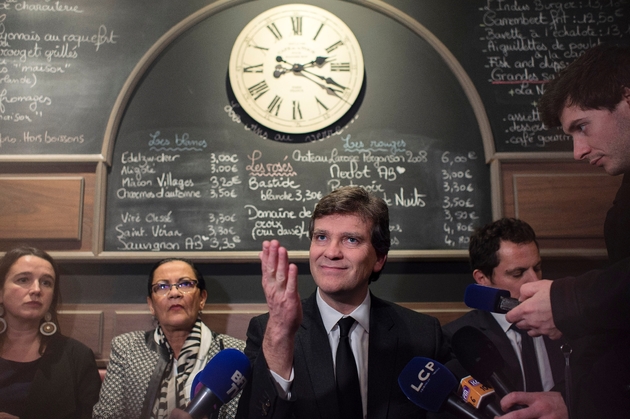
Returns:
(596, 302)
(617, 224)
(260, 397)
(592, 310)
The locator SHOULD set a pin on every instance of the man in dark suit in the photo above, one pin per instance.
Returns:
(590, 101)
(293, 348)
(504, 254)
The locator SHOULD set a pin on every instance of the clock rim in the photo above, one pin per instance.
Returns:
(324, 124)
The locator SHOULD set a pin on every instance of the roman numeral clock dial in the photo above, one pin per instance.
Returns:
(296, 69)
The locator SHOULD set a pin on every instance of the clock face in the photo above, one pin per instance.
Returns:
(296, 68)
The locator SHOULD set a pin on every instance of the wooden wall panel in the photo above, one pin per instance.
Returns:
(85, 326)
(50, 191)
(565, 202)
(232, 320)
(130, 320)
(41, 207)
(556, 211)
(97, 324)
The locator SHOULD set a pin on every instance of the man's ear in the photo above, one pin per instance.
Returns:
(626, 95)
(481, 278)
(380, 262)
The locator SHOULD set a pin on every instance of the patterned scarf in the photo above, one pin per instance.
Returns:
(172, 393)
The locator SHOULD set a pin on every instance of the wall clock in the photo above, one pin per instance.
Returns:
(296, 69)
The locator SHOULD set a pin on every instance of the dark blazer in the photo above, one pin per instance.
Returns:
(66, 384)
(617, 224)
(484, 321)
(592, 312)
(396, 336)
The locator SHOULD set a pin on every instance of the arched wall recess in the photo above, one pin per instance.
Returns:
(441, 237)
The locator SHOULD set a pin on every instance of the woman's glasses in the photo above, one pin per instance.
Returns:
(184, 285)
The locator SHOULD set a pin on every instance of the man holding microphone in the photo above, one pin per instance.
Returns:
(590, 100)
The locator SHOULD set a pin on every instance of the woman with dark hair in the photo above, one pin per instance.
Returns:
(151, 373)
(43, 374)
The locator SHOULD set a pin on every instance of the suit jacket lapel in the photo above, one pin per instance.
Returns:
(496, 334)
(383, 350)
(313, 343)
(556, 359)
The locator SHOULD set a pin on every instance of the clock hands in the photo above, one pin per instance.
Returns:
(328, 80)
(299, 68)
(282, 70)
(319, 61)
(329, 90)
(280, 48)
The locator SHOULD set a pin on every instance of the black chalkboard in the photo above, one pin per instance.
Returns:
(62, 65)
(189, 175)
(515, 47)
(415, 139)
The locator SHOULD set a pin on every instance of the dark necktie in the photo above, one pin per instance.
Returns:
(530, 362)
(348, 388)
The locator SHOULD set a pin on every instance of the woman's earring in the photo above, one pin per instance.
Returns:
(48, 328)
(3, 322)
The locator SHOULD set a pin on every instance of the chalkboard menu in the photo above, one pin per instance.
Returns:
(519, 45)
(189, 174)
(177, 191)
(63, 63)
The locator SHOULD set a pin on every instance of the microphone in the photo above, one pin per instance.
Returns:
(489, 299)
(473, 392)
(431, 386)
(481, 358)
(219, 382)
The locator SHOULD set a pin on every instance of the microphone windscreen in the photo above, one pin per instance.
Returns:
(427, 383)
(225, 374)
(484, 298)
(476, 352)
(457, 369)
